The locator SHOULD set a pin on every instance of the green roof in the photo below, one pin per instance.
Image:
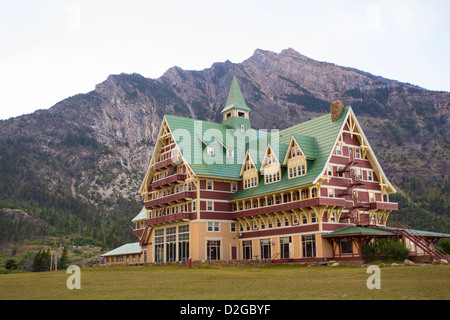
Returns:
(347, 231)
(308, 145)
(325, 134)
(129, 248)
(235, 98)
(421, 232)
(141, 215)
(316, 138)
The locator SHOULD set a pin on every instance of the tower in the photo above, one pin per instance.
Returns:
(236, 113)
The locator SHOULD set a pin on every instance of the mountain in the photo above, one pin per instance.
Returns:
(78, 165)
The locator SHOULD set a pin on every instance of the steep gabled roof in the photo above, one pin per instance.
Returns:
(235, 98)
(325, 133)
(306, 144)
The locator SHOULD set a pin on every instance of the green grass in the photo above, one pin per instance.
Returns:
(282, 282)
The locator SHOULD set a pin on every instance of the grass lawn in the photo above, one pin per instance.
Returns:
(280, 282)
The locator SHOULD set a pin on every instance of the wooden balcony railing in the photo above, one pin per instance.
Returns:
(383, 205)
(320, 201)
(164, 163)
(185, 195)
(169, 218)
(178, 177)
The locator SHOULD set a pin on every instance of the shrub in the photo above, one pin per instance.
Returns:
(11, 264)
(444, 244)
(384, 249)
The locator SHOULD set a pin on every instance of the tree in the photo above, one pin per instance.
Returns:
(41, 261)
(64, 260)
(11, 264)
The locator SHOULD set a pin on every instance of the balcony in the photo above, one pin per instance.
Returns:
(321, 201)
(176, 178)
(383, 205)
(164, 163)
(182, 216)
(176, 197)
(138, 232)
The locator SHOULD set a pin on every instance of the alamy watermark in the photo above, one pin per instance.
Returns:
(374, 281)
(74, 281)
(214, 146)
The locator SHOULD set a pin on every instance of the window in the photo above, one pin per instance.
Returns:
(369, 175)
(346, 247)
(241, 114)
(242, 128)
(358, 154)
(371, 197)
(234, 187)
(309, 246)
(213, 226)
(330, 193)
(209, 206)
(313, 192)
(209, 185)
(313, 218)
(210, 150)
(233, 227)
(338, 150)
(183, 243)
(213, 250)
(330, 171)
(159, 245)
(194, 206)
(304, 219)
(230, 153)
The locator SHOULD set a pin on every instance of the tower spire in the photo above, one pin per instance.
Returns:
(235, 96)
(236, 112)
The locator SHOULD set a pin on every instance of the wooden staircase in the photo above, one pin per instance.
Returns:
(357, 203)
(419, 240)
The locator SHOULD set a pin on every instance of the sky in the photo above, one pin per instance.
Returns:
(51, 50)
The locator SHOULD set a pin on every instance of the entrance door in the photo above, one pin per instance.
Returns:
(284, 247)
(265, 249)
(233, 253)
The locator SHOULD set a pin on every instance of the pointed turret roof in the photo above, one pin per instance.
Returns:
(235, 98)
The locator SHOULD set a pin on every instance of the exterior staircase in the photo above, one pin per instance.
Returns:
(357, 203)
(419, 240)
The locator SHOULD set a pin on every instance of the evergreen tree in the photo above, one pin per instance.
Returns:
(64, 261)
(41, 261)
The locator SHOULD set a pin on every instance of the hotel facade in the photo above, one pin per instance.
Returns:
(225, 191)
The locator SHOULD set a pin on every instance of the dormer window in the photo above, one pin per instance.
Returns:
(249, 173)
(210, 150)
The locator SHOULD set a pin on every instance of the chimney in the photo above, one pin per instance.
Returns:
(336, 110)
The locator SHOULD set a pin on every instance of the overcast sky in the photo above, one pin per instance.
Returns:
(51, 50)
